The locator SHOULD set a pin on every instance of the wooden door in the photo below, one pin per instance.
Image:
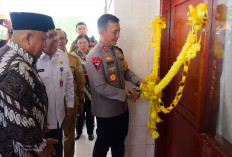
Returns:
(189, 130)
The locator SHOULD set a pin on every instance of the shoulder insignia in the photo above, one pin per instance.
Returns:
(119, 55)
(118, 49)
(96, 62)
(105, 48)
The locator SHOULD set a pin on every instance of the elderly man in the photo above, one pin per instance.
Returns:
(81, 28)
(69, 125)
(108, 70)
(54, 70)
(23, 99)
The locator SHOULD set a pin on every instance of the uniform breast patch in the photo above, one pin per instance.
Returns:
(113, 77)
(96, 62)
(108, 58)
(112, 68)
(110, 62)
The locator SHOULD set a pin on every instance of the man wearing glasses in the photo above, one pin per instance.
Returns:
(69, 125)
(55, 72)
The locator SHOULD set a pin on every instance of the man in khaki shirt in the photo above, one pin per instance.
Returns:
(69, 125)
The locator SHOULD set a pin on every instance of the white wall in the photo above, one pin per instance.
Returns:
(135, 17)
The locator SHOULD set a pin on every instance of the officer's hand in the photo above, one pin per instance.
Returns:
(68, 113)
(49, 150)
(141, 81)
(135, 95)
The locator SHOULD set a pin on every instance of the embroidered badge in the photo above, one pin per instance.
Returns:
(105, 48)
(79, 67)
(112, 77)
(108, 58)
(112, 68)
(96, 62)
(119, 55)
(61, 62)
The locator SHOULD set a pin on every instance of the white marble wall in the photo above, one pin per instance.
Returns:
(135, 16)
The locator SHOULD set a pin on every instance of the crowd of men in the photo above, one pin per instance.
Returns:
(46, 92)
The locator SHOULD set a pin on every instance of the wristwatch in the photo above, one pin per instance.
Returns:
(129, 96)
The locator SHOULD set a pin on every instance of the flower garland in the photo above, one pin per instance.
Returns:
(152, 91)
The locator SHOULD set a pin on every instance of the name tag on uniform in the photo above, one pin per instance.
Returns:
(40, 70)
(110, 62)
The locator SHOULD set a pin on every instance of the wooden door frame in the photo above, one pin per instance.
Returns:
(165, 11)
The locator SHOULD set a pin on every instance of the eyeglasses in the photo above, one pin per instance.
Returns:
(62, 38)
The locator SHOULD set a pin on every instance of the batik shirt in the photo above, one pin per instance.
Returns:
(23, 103)
(87, 85)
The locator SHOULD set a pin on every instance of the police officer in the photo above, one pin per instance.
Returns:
(81, 28)
(69, 125)
(108, 70)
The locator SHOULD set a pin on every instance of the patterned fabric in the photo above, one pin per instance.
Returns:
(23, 103)
(87, 85)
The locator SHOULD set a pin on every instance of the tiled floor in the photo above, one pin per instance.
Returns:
(84, 147)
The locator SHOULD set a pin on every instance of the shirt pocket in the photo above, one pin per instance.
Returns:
(44, 77)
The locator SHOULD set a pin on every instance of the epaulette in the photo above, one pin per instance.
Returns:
(119, 49)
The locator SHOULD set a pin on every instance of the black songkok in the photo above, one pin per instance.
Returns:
(30, 21)
(50, 23)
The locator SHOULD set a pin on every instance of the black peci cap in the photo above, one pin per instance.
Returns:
(50, 23)
(31, 21)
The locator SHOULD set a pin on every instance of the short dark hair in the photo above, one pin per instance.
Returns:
(81, 23)
(83, 36)
(65, 35)
(103, 21)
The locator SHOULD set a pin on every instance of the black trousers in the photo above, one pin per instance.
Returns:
(89, 119)
(111, 132)
(56, 134)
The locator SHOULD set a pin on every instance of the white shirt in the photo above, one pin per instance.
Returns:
(51, 74)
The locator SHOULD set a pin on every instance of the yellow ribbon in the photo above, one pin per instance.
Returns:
(152, 91)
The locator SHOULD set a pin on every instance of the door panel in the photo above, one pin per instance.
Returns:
(184, 132)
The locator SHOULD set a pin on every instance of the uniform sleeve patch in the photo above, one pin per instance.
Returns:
(79, 67)
(96, 62)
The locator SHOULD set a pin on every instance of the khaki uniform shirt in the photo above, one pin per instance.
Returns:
(107, 70)
(78, 78)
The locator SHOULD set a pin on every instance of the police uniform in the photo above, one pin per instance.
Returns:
(108, 70)
(74, 47)
(70, 124)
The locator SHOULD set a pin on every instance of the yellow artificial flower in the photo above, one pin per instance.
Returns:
(152, 91)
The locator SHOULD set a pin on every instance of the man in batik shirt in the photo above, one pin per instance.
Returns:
(23, 99)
